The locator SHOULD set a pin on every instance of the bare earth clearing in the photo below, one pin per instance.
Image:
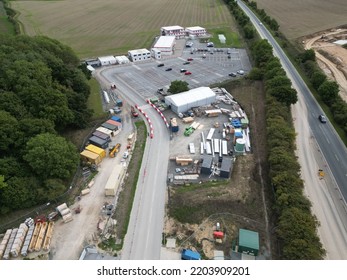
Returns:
(96, 28)
(334, 60)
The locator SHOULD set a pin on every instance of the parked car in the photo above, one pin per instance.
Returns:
(322, 118)
(187, 73)
(126, 154)
(190, 59)
(168, 69)
(160, 64)
(240, 72)
(183, 70)
(232, 74)
(117, 110)
(185, 63)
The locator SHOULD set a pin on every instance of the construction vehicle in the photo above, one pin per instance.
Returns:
(133, 112)
(188, 131)
(114, 150)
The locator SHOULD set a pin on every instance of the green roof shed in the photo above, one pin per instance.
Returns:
(248, 242)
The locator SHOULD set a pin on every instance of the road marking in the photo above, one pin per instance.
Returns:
(336, 157)
(138, 68)
(220, 75)
(195, 81)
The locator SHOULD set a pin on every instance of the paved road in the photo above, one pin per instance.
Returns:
(143, 240)
(328, 197)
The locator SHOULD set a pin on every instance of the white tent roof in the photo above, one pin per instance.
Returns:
(190, 96)
(122, 58)
(165, 42)
(106, 58)
(340, 42)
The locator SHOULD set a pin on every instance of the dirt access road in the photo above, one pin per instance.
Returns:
(329, 67)
(70, 238)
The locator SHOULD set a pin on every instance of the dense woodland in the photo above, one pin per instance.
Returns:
(43, 92)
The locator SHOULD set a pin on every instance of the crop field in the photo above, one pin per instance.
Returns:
(298, 18)
(104, 27)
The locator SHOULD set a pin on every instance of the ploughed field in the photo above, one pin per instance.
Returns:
(104, 27)
(298, 18)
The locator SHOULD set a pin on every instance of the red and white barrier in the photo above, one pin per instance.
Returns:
(151, 134)
(160, 113)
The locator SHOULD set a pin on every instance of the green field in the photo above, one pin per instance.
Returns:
(299, 18)
(94, 28)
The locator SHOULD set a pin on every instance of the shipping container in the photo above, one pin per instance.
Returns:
(105, 130)
(101, 143)
(90, 157)
(109, 126)
(115, 123)
(96, 150)
(117, 119)
(114, 180)
(102, 135)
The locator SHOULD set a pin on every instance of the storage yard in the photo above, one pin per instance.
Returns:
(207, 139)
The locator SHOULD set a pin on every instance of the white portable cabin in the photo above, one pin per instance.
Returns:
(165, 44)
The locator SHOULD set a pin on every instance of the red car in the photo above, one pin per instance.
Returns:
(190, 59)
(187, 73)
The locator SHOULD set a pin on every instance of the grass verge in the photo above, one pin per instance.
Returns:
(126, 197)
(94, 100)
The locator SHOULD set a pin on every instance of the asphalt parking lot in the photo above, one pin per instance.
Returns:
(146, 77)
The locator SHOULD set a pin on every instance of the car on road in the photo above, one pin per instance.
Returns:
(232, 74)
(160, 65)
(185, 63)
(187, 73)
(322, 118)
(229, 56)
(240, 72)
(183, 70)
(168, 69)
(190, 59)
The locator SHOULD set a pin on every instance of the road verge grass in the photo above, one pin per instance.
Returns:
(126, 197)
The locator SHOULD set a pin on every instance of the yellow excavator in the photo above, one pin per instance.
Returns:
(114, 150)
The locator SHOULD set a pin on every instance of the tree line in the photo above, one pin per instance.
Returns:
(295, 225)
(43, 92)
